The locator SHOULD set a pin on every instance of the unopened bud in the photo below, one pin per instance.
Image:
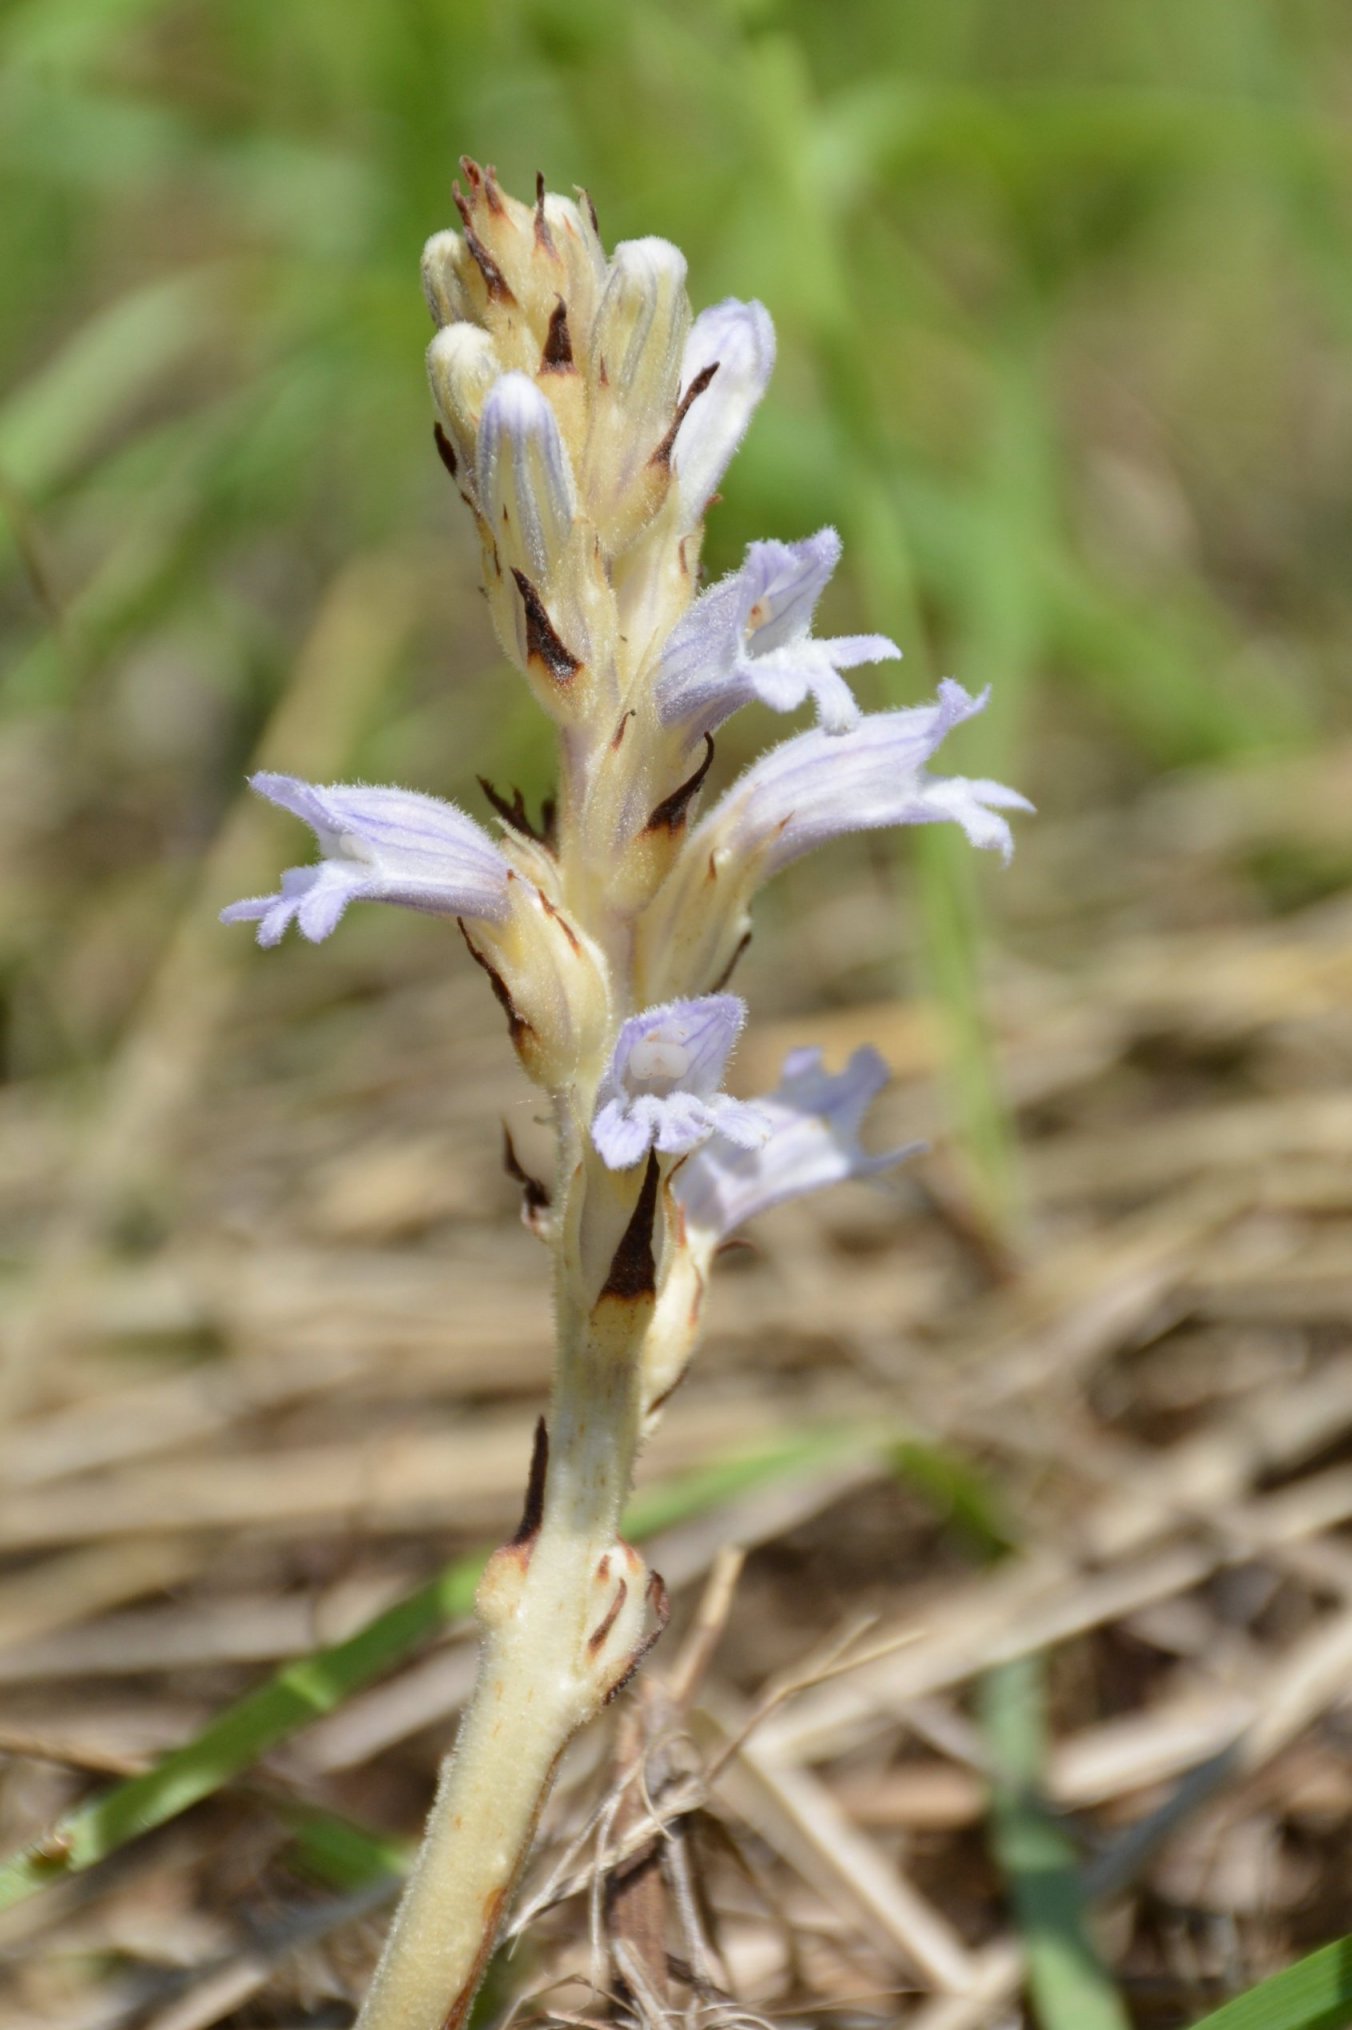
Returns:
(572, 260)
(523, 478)
(550, 981)
(642, 323)
(462, 366)
(636, 347)
(445, 265)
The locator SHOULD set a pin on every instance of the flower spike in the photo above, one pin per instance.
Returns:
(587, 419)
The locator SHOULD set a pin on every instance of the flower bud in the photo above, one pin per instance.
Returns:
(462, 365)
(498, 235)
(635, 357)
(523, 479)
(571, 261)
(550, 980)
(445, 267)
(524, 261)
(641, 326)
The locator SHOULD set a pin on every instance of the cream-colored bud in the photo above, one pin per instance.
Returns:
(512, 287)
(571, 250)
(462, 365)
(551, 981)
(642, 323)
(635, 360)
(445, 266)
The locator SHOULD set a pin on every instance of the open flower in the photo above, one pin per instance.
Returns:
(378, 845)
(661, 1087)
(814, 788)
(804, 793)
(751, 637)
(814, 1119)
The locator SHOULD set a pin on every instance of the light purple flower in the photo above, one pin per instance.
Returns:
(522, 475)
(379, 845)
(738, 340)
(815, 1117)
(661, 1087)
(817, 787)
(750, 637)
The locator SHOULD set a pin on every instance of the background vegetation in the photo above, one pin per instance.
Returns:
(1064, 303)
(1064, 300)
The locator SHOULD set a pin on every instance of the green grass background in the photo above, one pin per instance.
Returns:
(1064, 301)
(1064, 298)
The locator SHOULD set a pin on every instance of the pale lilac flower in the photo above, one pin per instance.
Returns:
(750, 637)
(817, 787)
(379, 845)
(522, 475)
(661, 1087)
(737, 340)
(815, 1117)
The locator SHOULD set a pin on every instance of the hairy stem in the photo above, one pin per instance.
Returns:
(564, 1608)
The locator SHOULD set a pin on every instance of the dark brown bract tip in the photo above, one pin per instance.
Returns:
(632, 1277)
(542, 642)
(662, 455)
(514, 814)
(730, 968)
(557, 357)
(669, 815)
(445, 450)
(517, 1025)
(532, 1515)
(659, 1606)
(535, 1194)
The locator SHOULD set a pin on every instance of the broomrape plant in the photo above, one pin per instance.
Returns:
(588, 420)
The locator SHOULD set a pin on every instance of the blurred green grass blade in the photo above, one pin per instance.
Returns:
(51, 422)
(99, 144)
(883, 125)
(1069, 1988)
(317, 1684)
(959, 1492)
(787, 119)
(1315, 1994)
(339, 1852)
(1168, 669)
(65, 32)
(237, 1738)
